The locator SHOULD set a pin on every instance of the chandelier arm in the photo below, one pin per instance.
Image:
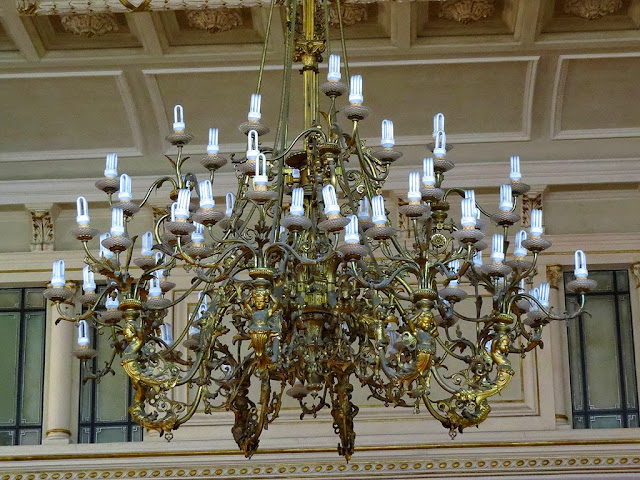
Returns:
(304, 260)
(462, 340)
(484, 319)
(385, 283)
(305, 133)
(146, 275)
(442, 382)
(432, 410)
(156, 186)
(447, 348)
(156, 230)
(89, 374)
(102, 264)
(192, 408)
(547, 312)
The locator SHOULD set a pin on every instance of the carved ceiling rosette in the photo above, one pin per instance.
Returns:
(215, 20)
(90, 25)
(352, 13)
(466, 11)
(591, 9)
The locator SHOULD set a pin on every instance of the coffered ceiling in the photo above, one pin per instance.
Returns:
(555, 81)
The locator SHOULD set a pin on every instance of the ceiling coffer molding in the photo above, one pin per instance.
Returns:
(215, 20)
(591, 9)
(90, 25)
(466, 11)
(352, 13)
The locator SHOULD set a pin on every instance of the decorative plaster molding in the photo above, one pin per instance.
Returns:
(352, 13)
(530, 201)
(635, 271)
(554, 276)
(591, 9)
(90, 25)
(466, 11)
(215, 20)
(42, 231)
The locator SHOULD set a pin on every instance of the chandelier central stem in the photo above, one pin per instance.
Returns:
(309, 51)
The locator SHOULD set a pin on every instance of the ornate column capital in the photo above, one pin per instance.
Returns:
(554, 276)
(42, 230)
(635, 271)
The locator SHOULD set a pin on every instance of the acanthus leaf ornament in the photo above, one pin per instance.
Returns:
(466, 11)
(215, 20)
(591, 9)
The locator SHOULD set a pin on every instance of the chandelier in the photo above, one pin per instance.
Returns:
(304, 286)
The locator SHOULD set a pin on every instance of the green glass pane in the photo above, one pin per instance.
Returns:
(9, 342)
(9, 298)
(6, 438)
(136, 434)
(85, 400)
(604, 279)
(622, 280)
(628, 360)
(84, 435)
(34, 298)
(575, 365)
(111, 434)
(111, 392)
(601, 352)
(632, 421)
(33, 371)
(30, 437)
(606, 421)
(578, 423)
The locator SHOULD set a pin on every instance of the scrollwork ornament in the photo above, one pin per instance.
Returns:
(466, 11)
(216, 20)
(591, 9)
(90, 25)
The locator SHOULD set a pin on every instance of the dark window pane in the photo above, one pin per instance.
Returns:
(628, 362)
(111, 434)
(32, 372)
(606, 421)
(575, 364)
(9, 344)
(34, 298)
(604, 279)
(30, 437)
(7, 438)
(632, 421)
(10, 298)
(578, 422)
(622, 280)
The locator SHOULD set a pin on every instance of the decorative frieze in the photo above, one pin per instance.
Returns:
(91, 25)
(215, 20)
(591, 9)
(42, 232)
(466, 11)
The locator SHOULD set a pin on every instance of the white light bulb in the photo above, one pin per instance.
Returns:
(117, 222)
(111, 168)
(334, 68)
(477, 259)
(535, 293)
(497, 253)
(440, 148)
(104, 252)
(124, 194)
(330, 199)
(166, 334)
(355, 90)
(386, 139)
(428, 174)
(454, 267)
(57, 276)
(506, 202)
(536, 223)
(154, 287)
(253, 149)
(519, 250)
(88, 280)
(206, 195)
(351, 230)
(515, 175)
(438, 124)
(297, 201)
(147, 244)
(112, 303)
(197, 236)
(159, 257)
(468, 213)
(295, 174)
(83, 333)
(379, 215)
(82, 208)
(254, 108)
(580, 263)
(543, 294)
(363, 209)
(182, 204)
(178, 119)
(413, 194)
(230, 203)
(213, 147)
(260, 179)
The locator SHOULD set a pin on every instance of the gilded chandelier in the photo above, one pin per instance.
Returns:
(304, 285)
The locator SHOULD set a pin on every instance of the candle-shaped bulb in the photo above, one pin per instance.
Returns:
(88, 280)
(454, 267)
(230, 202)
(178, 119)
(330, 199)
(83, 333)
(468, 213)
(477, 259)
(536, 223)
(440, 148)
(206, 194)
(414, 195)
(112, 302)
(117, 222)
(57, 276)
(355, 90)
(111, 168)
(351, 230)
(82, 208)
(519, 250)
(166, 334)
(334, 68)
(260, 179)
(580, 264)
(379, 215)
(297, 201)
(497, 253)
(124, 194)
(147, 244)
(182, 204)
(363, 209)
(252, 145)
(104, 252)
(213, 147)
(438, 124)
(515, 175)
(543, 294)
(386, 140)
(428, 174)
(197, 236)
(506, 202)
(254, 108)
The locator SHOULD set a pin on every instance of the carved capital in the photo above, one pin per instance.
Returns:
(466, 11)
(635, 271)
(215, 20)
(91, 25)
(530, 201)
(554, 276)
(42, 232)
(591, 9)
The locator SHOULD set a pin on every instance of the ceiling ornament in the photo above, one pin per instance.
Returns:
(215, 20)
(305, 286)
(352, 13)
(90, 25)
(466, 11)
(591, 9)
